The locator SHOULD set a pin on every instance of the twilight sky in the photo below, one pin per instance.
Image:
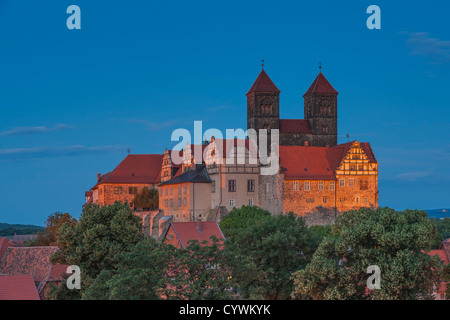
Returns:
(73, 101)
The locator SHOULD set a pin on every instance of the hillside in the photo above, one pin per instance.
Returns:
(7, 229)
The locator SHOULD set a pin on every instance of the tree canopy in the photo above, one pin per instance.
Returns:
(100, 234)
(393, 241)
(147, 199)
(264, 250)
(52, 227)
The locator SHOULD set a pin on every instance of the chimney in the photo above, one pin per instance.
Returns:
(199, 225)
(306, 143)
(99, 176)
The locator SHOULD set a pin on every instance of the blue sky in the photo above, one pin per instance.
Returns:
(73, 101)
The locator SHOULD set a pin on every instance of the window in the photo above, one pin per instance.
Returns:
(231, 202)
(132, 190)
(166, 191)
(352, 167)
(325, 129)
(179, 202)
(179, 189)
(357, 199)
(325, 199)
(342, 199)
(250, 185)
(295, 186)
(231, 186)
(360, 167)
(332, 185)
(184, 189)
(171, 202)
(171, 190)
(364, 184)
(250, 202)
(366, 200)
(351, 182)
(117, 190)
(320, 185)
(310, 200)
(307, 186)
(213, 186)
(342, 183)
(184, 201)
(213, 205)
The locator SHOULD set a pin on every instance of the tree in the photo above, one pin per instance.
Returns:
(140, 274)
(239, 219)
(147, 199)
(443, 228)
(199, 272)
(264, 251)
(152, 271)
(52, 226)
(393, 241)
(100, 234)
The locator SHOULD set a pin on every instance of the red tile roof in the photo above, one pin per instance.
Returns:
(320, 85)
(186, 231)
(4, 244)
(263, 84)
(57, 272)
(316, 163)
(441, 254)
(301, 162)
(18, 288)
(28, 260)
(295, 126)
(135, 168)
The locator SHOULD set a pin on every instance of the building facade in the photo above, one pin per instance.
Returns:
(206, 181)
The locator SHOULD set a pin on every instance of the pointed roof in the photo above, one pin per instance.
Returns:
(263, 84)
(320, 85)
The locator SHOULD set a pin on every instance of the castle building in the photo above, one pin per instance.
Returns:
(315, 173)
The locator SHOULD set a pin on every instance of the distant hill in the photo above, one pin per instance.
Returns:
(438, 213)
(7, 229)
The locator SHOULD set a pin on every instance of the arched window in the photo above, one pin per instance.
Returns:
(325, 128)
(267, 127)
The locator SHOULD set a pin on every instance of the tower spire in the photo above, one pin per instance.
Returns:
(262, 63)
(320, 66)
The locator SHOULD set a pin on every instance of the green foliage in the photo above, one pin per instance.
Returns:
(199, 272)
(150, 271)
(147, 199)
(239, 219)
(139, 275)
(443, 228)
(61, 292)
(447, 280)
(265, 250)
(100, 234)
(391, 240)
(53, 224)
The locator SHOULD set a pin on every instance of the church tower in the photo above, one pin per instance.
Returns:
(263, 105)
(321, 111)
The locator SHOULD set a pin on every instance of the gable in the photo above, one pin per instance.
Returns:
(356, 158)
